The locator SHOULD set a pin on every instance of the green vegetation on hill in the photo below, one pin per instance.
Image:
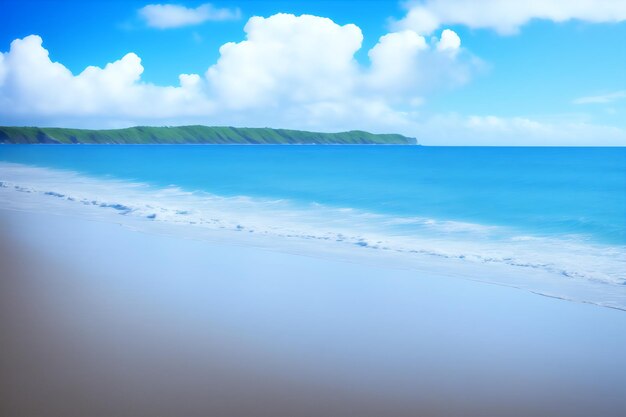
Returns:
(193, 135)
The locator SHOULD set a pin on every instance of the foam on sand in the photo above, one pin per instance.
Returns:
(568, 267)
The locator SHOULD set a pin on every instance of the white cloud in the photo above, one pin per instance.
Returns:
(302, 70)
(506, 16)
(394, 59)
(289, 58)
(3, 70)
(404, 65)
(450, 41)
(164, 16)
(602, 99)
(490, 130)
(36, 86)
(290, 71)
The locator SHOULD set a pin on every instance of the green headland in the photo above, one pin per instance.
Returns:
(194, 135)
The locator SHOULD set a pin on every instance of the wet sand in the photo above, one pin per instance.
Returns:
(98, 320)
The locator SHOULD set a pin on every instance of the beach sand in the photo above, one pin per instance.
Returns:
(98, 320)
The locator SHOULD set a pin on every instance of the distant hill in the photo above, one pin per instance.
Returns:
(194, 135)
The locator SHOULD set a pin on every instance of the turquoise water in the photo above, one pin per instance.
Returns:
(540, 191)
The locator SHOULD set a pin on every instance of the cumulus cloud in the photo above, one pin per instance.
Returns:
(164, 16)
(289, 71)
(296, 91)
(404, 65)
(505, 16)
(394, 58)
(450, 41)
(599, 99)
(287, 58)
(34, 86)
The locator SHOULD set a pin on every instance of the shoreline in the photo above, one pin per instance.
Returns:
(108, 302)
(568, 270)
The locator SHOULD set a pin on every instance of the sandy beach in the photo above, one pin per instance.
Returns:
(407, 208)
(101, 320)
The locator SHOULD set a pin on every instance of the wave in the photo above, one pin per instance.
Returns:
(560, 260)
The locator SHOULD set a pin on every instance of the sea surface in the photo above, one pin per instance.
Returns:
(540, 212)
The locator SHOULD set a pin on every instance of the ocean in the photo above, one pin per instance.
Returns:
(552, 218)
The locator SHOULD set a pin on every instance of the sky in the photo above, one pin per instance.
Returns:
(448, 72)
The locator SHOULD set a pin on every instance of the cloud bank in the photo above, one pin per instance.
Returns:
(32, 85)
(290, 71)
(505, 16)
(165, 16)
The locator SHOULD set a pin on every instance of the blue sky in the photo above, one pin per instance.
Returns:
(521, 75)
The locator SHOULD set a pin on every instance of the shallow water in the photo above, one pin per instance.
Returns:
(556, 211)
(539, 190)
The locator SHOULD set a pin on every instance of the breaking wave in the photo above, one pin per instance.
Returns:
(565, 259)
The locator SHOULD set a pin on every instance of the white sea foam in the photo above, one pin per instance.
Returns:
(566, 267)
